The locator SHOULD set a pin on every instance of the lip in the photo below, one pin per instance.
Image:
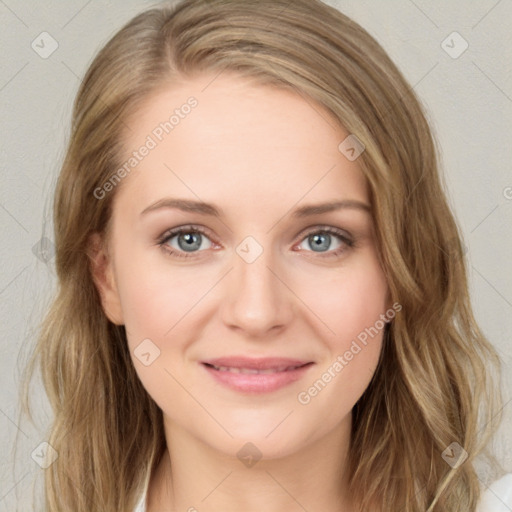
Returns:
(262, 375)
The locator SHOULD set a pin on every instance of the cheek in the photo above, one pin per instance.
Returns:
(158, 305)
(333, 391)
(155, 297)
(349, 306)
(347, 301)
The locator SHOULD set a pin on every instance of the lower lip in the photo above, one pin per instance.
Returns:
(257, 382)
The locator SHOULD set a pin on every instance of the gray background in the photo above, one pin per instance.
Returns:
(469, 103)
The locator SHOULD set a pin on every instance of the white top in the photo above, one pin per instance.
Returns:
(497, 498)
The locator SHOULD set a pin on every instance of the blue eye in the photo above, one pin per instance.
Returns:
(189, 240)
(322, 239)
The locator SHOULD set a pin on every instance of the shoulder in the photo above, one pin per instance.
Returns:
(498, 496)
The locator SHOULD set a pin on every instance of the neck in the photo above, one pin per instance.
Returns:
(193, 476)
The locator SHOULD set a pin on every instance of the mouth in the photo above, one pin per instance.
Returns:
(256, 375)
(254, 371)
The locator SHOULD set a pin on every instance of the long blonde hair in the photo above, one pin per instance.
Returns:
(431, 387)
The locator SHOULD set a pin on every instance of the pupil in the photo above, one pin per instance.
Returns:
(190, 241)
(318, 241)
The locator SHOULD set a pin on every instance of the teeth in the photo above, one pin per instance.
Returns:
(253, 370)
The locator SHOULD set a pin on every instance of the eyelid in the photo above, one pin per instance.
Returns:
(347, 238)
(186, 228)
(325, 228)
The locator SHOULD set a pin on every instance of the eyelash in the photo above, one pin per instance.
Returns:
(168, 235)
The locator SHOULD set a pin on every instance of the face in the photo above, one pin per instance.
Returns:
(252, 322)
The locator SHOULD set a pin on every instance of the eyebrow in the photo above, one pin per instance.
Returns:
(201, 207)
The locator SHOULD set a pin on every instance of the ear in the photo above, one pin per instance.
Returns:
(103, 276)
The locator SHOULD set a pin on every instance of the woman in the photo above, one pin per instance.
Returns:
(263, 299)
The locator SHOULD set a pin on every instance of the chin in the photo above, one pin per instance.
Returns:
(268, 439)
(259, 448)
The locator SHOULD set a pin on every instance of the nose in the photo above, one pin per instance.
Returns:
(257, 300)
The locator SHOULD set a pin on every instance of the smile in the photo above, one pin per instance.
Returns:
(254, 371)
(255, 377)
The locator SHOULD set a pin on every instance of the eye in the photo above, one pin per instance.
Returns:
(188, 239)
(321, 240)
(184, 241)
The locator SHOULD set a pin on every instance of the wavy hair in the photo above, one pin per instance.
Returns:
(432, 386)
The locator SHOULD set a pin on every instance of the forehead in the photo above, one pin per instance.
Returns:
(225, 136)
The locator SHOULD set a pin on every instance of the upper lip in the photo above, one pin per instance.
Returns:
(267, 363)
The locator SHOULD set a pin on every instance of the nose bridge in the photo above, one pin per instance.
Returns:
(257, 300)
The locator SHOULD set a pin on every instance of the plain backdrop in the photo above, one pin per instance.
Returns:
(467, 93)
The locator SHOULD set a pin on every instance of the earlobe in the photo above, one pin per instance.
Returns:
(101, 268)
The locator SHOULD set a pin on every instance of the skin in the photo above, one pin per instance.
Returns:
(257, 153)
